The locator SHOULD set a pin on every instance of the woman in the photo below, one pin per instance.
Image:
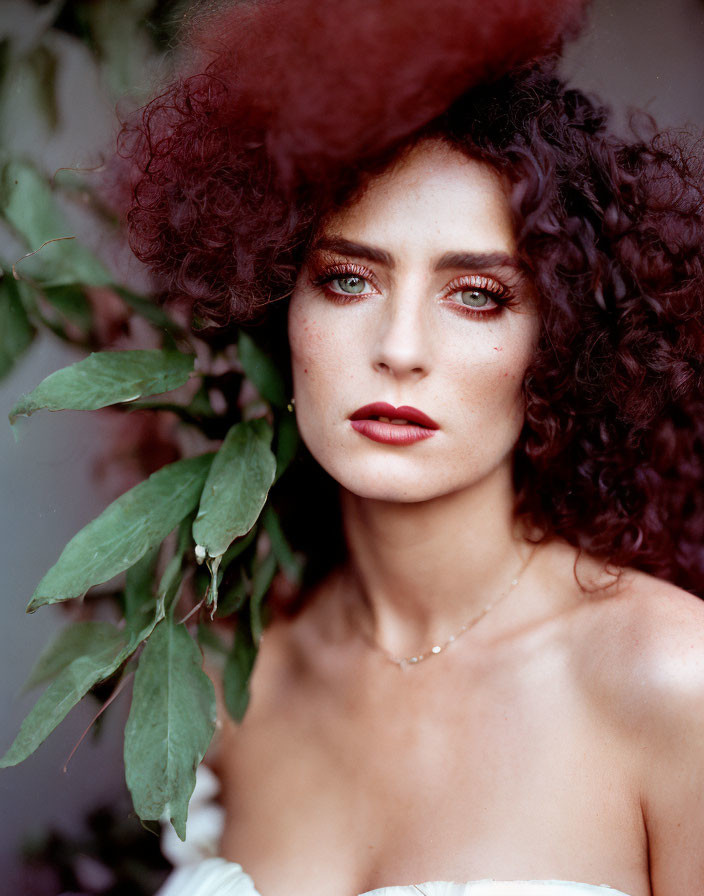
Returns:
(495, 331)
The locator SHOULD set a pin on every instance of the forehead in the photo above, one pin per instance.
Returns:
(435, 198)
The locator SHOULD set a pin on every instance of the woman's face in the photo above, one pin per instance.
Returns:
(411, 296)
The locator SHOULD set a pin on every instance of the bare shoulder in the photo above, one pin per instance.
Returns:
(647, 678)
(643, 649)
(658, 629)
(637, 648)
(638, 654)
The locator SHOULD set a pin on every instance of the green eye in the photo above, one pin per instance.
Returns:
(474, 298)
(351, 285)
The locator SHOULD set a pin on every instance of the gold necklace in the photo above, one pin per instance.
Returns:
(436, 649)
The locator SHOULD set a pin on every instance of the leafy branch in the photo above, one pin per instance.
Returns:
(198, 543)
(216, 502)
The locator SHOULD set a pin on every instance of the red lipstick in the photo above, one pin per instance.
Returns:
(411, 425)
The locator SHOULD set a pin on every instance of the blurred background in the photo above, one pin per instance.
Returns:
(65, 68)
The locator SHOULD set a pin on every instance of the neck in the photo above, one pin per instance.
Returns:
(423, 570)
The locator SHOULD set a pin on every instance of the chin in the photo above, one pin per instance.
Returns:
(392, 495)
(397, 486)
(413, 481)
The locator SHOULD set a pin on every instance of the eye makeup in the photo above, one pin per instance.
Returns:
(477, 295)
(330, 274)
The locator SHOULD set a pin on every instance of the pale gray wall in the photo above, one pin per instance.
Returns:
(643, 52)
(47, 492)
(648, 53)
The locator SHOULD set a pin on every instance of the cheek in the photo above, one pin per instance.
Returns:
(491, 376)
(315, 350)
(305, 338)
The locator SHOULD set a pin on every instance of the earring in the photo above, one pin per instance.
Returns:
(290, 405)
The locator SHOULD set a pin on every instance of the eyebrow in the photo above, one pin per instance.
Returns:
(470, 260)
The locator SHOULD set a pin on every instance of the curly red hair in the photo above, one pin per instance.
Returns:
(237, 166)
(611, 456)
(285, 101)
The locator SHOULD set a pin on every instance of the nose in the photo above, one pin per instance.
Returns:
(403, 340)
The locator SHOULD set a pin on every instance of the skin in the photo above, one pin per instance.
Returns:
(562, 736)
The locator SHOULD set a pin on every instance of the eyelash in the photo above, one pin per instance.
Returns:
(494, 290)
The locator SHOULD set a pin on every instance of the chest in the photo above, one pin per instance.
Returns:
(373, 783)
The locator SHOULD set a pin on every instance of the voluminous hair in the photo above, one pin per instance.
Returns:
(279, 105)
(611, 233)
(229, 189)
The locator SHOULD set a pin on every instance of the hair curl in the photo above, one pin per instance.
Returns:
(280, 105)
(611, 456)
(230, 188)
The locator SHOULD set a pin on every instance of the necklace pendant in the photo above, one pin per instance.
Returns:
(403, 661)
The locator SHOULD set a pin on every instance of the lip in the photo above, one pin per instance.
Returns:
(382, 409)
(419, 427)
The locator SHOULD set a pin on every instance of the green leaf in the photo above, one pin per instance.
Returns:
(263, 576)
(71, 302)
(285, 557)
(236, 594)
(236, 548)
(16, 332)
(170, 582)
(148, 310)
(5, 59)
(42, 66)
(28, 204)
(170, 725)
(286, 443)
(83, 655)
(238, 672)
(233, 598)
(200, 405)
(123, 533)
(72, 642)
(209, 640)
(101, 650)
(139, 591)
(106, 378)
(236, 489)
(261, 370)
(121, 42)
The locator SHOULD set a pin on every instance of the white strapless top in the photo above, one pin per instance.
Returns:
(218, 877)
(200, 872)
